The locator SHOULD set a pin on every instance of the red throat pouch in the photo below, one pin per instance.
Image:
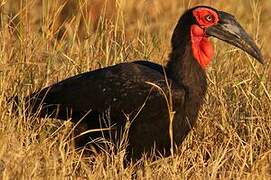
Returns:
(202, 48)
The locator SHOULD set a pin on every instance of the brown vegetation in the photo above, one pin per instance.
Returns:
(232, 138)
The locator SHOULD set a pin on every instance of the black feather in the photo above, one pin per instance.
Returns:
(126, 89)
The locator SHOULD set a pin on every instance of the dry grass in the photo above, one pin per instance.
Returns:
(232, 139)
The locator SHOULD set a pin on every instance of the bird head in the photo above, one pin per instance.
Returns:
(202, 22)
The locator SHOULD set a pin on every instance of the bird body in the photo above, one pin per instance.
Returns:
(125, 89)
(141, 90)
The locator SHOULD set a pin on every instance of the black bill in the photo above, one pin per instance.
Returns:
(230, 31)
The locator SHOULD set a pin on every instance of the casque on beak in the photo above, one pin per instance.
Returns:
(230, 31)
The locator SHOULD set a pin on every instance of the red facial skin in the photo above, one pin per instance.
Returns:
(201, 46)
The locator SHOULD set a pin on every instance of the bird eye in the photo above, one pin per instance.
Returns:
(209, 18)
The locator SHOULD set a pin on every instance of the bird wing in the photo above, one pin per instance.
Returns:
(123, 88)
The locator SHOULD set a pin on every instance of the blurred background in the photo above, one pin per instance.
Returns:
(62, 18)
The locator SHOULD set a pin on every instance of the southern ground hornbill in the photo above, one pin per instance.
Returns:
(104, 100)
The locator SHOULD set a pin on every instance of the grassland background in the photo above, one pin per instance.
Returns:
(232, 138)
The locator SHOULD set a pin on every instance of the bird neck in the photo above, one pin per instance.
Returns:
(186, 71)
(202, 48)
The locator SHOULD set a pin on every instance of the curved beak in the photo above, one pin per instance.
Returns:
(230, 31)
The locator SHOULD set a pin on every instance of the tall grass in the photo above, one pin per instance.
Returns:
(232, 138)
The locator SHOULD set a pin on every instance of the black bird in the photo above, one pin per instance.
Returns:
(137, 90)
